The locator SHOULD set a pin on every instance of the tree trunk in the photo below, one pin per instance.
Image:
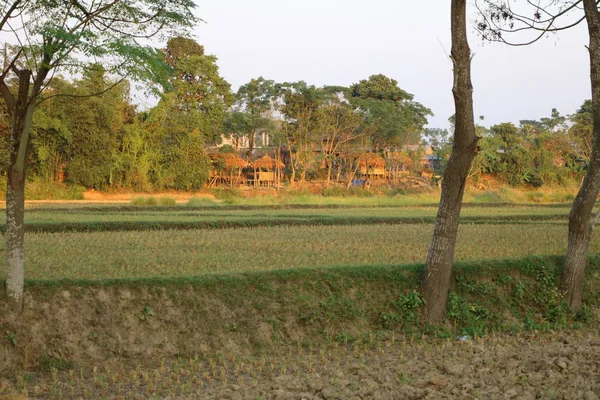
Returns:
(329, 167)
(580, 228)
(15, 238)
(438, 266)
(15, 205)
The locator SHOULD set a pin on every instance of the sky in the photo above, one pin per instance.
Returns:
(340, 42)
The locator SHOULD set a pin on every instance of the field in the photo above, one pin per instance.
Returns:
(234, 300)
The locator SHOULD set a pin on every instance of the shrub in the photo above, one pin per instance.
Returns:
(487, 197)
(227, 194)
(200, 202)
(144, 201)
(39, 189)
(533, 178)
(166, 201)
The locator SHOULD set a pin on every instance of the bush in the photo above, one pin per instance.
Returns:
(487, 197)
(43, 190)
(200, 202)
(338, 191)
(533, 178)
(227, 194)
(535, 197)
(166, 201)
(144, 201)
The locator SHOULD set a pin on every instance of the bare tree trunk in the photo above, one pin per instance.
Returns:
(21, 121)
(438, 266)
(329, 167)
(15, 238)
(580, 224)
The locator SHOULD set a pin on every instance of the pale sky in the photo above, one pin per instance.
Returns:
(339, 42)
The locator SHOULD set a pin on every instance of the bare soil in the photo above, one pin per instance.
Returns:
(536, 366)
(144, 342)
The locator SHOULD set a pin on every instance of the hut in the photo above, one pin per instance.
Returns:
(267, 171)
(226, 169)
(372, 166)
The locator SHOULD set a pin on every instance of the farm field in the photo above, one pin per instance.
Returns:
(133, 254)
(271, 238)
(292, 301)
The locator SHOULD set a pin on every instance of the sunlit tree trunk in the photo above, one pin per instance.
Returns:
(438, 266)
(22, 108)
(580, 224)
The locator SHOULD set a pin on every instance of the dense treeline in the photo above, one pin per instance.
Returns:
(105, 142)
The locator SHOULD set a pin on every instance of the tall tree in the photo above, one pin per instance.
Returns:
(189, 116)
(51, 36)
(395, 118)
(337, 123)
(438, 266)
(500, 18)
(256, 99)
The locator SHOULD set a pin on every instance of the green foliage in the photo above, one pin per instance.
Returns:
(405, 312)
(390, 113)
(338, 191)
(166, 201)
(200, 202)
(40, 189)
(227, 194)
(472, 319)
(144, 201)
(487, 197)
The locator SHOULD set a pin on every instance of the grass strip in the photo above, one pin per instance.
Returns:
(111, 226)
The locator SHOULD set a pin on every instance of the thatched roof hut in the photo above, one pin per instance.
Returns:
(267, 163)
(228, 160)
(372, 165)
(371, 160)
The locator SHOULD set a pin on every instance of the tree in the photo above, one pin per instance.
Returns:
(68, 35)
(582, 130)
(300, 104)
(438, 266)
(395, 118)
(337, 123)
(189, 115)
(499, 19)
(255, 99)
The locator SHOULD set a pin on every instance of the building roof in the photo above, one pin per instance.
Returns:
(267, 162)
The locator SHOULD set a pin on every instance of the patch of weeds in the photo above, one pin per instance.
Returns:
(227, 194)
(12, 338)
(474, 287)
(405, 312)
(48, 364)
(487, 197)
(340, 307)
(504, 279)
(472, 319)
(232, 327)
(519, 290)
(585, 315)
(166, 201)
(147, 313)
(201, 202)
(345, 338)
(144, 201)
(403, 378)
(274, 323)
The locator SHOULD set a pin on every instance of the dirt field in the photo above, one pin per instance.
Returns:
(546, 366)
(536, 366)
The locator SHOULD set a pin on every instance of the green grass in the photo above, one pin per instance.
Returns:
(180, 213)
(109, 255)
